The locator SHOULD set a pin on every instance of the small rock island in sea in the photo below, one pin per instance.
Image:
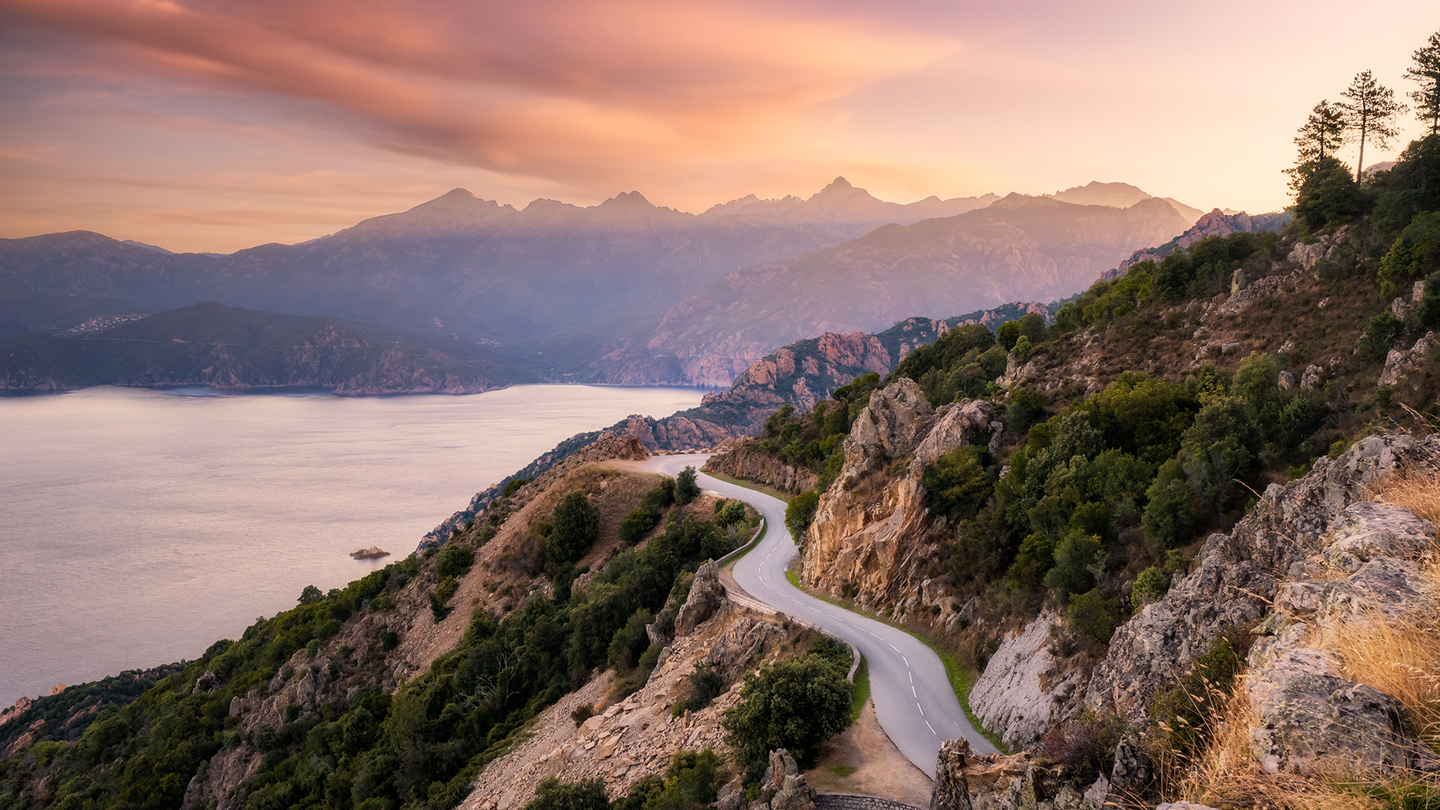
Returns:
(369, 553)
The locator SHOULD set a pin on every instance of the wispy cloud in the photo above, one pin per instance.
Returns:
(584, 93)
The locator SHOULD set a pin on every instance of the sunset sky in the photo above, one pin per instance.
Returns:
(213, 125)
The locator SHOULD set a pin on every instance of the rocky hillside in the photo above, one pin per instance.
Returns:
(1175, 535)
(405, 683)
(232, 349)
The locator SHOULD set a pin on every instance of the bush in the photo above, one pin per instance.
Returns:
(513, 487)
(581, 713)
(637, 524)
(958, 483)
(686, 487)
(1328, 195)
(1415, 254)
(1183, 712)
(455, 561)
(575, 527)
(1380, 334)
(800, 512)
(552, 794)
(705, 685)
(1091, 616)
(1150, 586)
(796, 705)
(1025, 407)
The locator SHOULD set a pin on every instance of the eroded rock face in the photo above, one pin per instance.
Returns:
(894, 422)
(741, 459)
(1239, 573)
(870, 542)
(706, 596)
(1009, 694)
(1400, 362)
(964, 781)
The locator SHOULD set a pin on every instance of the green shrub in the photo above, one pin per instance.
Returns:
(796, 704)
(1183, 712)
(687, 488)
(1415, 254)
(958, 483)
(1149, 586)
(637, 524)
(575, 526)
(799, 513)
(514, 487)
(581, 713)
(1328, 195)
(455, 561)
(552, 794)
(1091, 616)
(1380, 334)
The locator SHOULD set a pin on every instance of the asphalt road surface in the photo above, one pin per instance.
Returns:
(913, 699)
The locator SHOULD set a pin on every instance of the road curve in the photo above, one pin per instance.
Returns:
(913, 699)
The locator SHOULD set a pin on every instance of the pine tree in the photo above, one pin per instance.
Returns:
(1370, 110)
(1322, 134)
(1426, 73)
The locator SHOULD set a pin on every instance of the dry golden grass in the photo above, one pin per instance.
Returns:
(1416, 490)
(1397, 656)
(1400, 657)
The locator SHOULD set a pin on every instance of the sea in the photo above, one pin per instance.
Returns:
(138, 527)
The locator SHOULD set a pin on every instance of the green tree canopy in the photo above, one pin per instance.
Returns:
(574, 529)
(1425, 72)
(1370, 110)
(686, 488)
(796, 704)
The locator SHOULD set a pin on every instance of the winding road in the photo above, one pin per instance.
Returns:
(913, 699)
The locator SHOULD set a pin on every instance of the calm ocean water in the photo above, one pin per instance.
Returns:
(138, 527)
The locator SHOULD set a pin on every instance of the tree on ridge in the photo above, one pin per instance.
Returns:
(1426, 72)
(1370, 110)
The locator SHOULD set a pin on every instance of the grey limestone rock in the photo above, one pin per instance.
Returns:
(1008, 694)
(1239, 573)
(959, 424)
(706, 596)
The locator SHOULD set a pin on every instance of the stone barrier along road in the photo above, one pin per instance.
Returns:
(858, 801)
(914, 701)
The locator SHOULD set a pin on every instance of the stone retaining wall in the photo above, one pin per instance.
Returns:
(856, 801)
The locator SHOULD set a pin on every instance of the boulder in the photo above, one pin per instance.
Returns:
(706, 596)
(964, 781)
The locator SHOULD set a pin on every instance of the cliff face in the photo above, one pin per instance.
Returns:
(742, 459)
(871, 535)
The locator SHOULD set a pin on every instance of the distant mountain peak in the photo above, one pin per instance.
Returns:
(628, 199)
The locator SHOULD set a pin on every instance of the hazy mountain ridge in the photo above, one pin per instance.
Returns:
(1020, 248)
(622, 292)
(235, 349)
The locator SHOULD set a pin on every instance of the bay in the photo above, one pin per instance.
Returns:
(138, 527)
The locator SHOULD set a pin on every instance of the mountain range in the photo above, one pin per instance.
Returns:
(622, 292)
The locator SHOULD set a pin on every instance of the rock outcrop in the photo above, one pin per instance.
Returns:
(964, 781)
(741, 458)
(1239, 574)
(706, 597)
(869, 537)
(1400, 362)
(782, 788)
(1016, 693)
